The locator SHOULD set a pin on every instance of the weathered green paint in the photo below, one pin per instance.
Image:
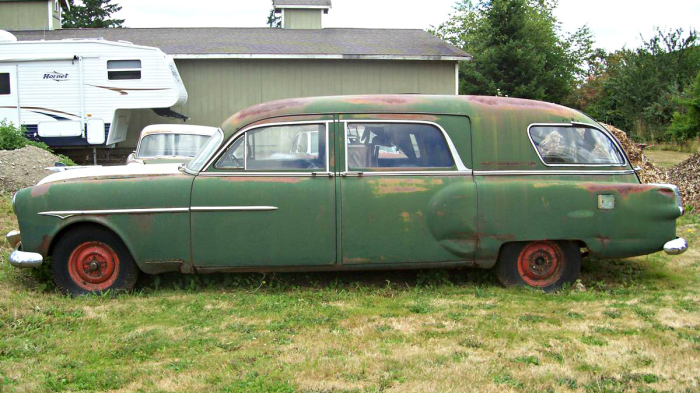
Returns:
(302, 18)
(151, 238)
(218, 88)
(25, 15)
(371, 221)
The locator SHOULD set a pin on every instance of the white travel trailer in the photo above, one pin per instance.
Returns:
(80, 92)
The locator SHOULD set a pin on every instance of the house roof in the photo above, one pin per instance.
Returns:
(301, 3)
(271, 43)
(64, 3)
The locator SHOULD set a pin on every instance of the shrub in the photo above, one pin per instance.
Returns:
(13, 138)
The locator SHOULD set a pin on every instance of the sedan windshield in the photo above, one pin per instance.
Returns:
(171, 145)
(205, 152)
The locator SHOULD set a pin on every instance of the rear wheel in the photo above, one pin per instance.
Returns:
(545, 265)
(92, 260)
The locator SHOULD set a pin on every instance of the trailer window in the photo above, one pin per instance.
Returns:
(123, 69)
(5, 84)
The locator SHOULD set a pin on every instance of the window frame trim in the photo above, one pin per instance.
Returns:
(140, 70)
(224, 172)
(459, 164)
(573, 124)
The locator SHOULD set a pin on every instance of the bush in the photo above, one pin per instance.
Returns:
(13, 138)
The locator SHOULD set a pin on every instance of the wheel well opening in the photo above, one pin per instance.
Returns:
(72, 227)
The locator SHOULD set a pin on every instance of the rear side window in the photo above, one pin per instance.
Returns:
(123, 69)
(5, 84)
(560, 145)
(395, 146)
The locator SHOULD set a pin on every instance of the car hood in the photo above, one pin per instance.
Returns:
(102, 172)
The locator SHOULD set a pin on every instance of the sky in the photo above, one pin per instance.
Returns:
(614, 23)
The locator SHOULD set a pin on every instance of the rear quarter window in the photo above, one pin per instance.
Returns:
(561, 145)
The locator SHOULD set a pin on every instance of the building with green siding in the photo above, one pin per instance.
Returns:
(228, 69)
(31, 14)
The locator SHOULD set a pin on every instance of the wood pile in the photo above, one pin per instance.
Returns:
(686, 176)
(650, 173)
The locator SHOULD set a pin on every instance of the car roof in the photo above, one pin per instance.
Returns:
(476, 107)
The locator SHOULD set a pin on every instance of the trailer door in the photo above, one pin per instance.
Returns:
(9, 96)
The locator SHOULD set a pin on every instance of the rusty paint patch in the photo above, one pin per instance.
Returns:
(41, 190)
(356, 260)
(244, 179)
(406, 216)
(404, 186)
(509, 163)
(624, 189)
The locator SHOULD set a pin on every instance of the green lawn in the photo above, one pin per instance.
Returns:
(666, 158)
(636, 328)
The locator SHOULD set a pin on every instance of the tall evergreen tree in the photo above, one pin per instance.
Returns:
(273, 20)
(518, 49)
(92, 13)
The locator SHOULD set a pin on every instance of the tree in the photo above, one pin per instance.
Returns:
(686, 121)
(92, 13)
(518, 50)
(273, 20)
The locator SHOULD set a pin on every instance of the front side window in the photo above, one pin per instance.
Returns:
(396, 145)
(123, 69)
(171, 145)
(299, 147)
(209, 148)
(5, 84)
(560, 145)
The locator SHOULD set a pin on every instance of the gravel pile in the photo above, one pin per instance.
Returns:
(687, 176)
(650, 172)
(24, 167)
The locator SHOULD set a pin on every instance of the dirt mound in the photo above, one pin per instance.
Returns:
(687, 176)
(24, 167)
(650, 172)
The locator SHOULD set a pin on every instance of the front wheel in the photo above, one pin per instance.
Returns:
(92, 260)
(544, 265)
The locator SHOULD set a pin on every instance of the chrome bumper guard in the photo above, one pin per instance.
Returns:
(676, 247)
(20, 258)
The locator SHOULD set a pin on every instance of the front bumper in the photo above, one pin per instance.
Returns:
(676, 247)
(20, 258)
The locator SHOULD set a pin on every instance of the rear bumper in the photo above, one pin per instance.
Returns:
(20, 258)
(676, 247)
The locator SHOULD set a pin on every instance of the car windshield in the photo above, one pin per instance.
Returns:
(171, 145)
(205, 152)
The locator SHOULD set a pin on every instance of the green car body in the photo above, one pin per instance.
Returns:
(498, 191)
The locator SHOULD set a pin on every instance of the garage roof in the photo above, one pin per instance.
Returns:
(301, 3)
(271, 43)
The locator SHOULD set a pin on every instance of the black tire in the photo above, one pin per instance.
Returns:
(545, 265)
(105, 262)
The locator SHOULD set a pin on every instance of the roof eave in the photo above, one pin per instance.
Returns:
(185, 56)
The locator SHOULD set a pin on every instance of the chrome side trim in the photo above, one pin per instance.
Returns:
(453, 150)
(233, 208)
(552, 172)
(71, 213)
(259, 174)
(573, 125)
(409, 173)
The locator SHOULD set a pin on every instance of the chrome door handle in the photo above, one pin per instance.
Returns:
(329, 174)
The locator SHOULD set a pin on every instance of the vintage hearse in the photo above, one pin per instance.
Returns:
(526, 187)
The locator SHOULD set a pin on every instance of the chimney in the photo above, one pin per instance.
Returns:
(302, 14)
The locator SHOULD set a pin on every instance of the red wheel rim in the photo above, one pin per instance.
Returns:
(94, 266)
(540, 264)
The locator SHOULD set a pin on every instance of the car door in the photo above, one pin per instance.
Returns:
(407, 195)
(262, 204)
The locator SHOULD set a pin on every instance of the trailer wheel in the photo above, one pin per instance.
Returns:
(544, 265)
(92, 260)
